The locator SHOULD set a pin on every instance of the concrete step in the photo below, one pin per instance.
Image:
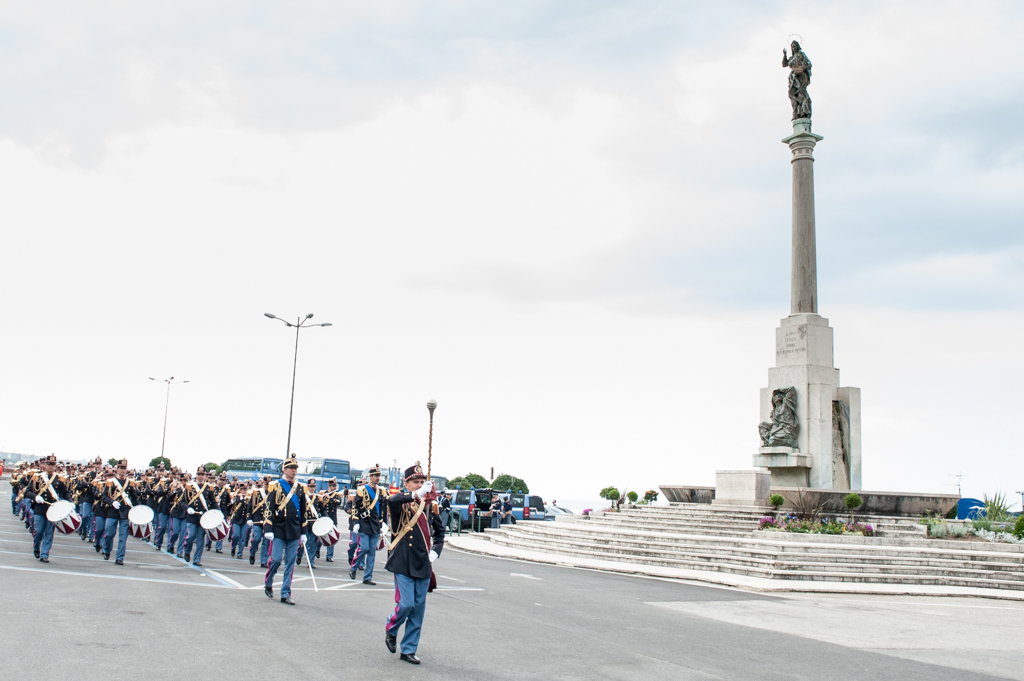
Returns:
(761, 563)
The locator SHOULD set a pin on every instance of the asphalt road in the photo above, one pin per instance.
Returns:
(157, 618)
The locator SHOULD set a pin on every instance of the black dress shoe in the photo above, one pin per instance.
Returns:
(44, 560)
(252, 560)
(97, 548)
(106, 556)
(330, 560)
(269, 591)
(157, 548)
(232, 553)
(313, 566)
(352, 573)
(391, 642)
(369, 582)
(411, 658)
(198, 564)
(119, 562)
(219, 551)
(288, 600)
(263, 565)
(188, 557)
(36, 554)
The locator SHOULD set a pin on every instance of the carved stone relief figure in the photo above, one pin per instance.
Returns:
(840, 445)
(783, 429)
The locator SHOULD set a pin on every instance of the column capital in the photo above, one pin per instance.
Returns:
(802, 141)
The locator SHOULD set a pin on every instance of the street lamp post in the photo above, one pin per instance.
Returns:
(300, 323)
(167, 404)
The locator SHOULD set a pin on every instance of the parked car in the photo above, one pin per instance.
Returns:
(465, 503)
(527, 506)
(552, 512)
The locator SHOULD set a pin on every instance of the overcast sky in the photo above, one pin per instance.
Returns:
(568, 222)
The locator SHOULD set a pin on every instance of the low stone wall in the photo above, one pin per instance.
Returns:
(897, 504)
(908, 504)
(688, 494)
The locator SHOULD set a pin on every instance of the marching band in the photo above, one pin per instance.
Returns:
(279, 521)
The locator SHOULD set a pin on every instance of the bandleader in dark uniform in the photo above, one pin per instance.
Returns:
(418, 540)
(283, 526)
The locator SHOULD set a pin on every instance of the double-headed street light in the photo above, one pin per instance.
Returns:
(300, 323)
(167, 403)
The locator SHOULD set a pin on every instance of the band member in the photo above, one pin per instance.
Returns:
(239, 523)
(370, 510)
(119, 494)
(257, 515)
(418, 540)
(86, 498)
(199, 498)
(313, 510)
(162, 507)
(99, 508)
(331, 501)
(353, 536)
(43, 489)
(176, 515)
(224, 501)
(285, 512)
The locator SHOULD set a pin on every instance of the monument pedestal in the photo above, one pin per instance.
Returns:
(745, 487)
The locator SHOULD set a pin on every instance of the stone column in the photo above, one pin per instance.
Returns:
(804, 285)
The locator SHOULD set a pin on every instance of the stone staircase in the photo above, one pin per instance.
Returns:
(722, 539)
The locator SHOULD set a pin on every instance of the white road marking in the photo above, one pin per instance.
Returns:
(519, 574)
(461, 581)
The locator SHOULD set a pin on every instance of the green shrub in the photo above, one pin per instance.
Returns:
(776, 500)
(982, 524)
(650, 496)
(1018, 527)
(610, 493)
(996, 507)
(853, 502)
(154, 463)
(957, 530)
(951, 515)
(632, 496)
(937, 530)
(506, 481)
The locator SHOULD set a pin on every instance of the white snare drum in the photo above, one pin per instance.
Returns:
(64, 517)
(215, 525)
(326, 531)
(139, 519)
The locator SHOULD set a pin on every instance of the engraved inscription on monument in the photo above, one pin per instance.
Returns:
(793, 343)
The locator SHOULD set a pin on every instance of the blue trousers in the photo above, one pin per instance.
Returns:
(367, 551)
(120, 526)
(330, 552)
(194, 534)
(410, 606)
(312, 546)
(86, 511)
(162, 520)
(353, 544)
(43, 539)
(98, 524)
(286, 550)
(176, 542)
(258, 540)
(238, 539)
(14, 503)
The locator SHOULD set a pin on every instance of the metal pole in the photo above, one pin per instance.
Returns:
(167, 404)
(291, 407)
(431, 406)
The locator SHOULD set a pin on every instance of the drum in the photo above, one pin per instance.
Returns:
(215, 525)
(64, 517)
(139, 519)
(326, 532)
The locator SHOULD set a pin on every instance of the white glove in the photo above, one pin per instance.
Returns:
(355, 528)
(269, 536)
(426, 489)
(117, 505)
(432, 555)
(249, 523)
(190, 511)
(39, 498)
(302, 539)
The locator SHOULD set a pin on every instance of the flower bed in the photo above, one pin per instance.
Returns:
(823, 526)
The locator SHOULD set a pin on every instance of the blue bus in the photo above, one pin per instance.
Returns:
(323, 469)
(252, 467)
